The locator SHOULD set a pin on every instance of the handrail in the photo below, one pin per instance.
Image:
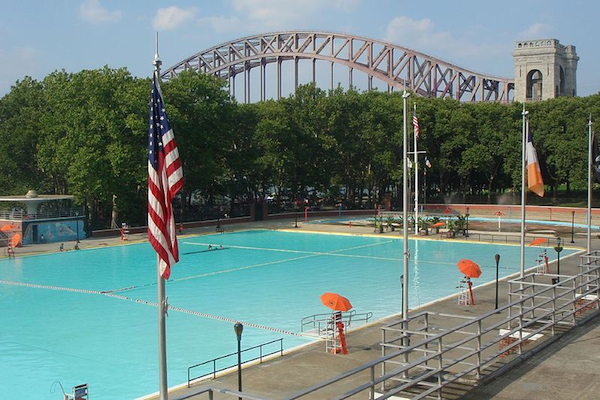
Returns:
(436, 351)
(321, 322)
(21, 215)
(214, 360)
(538, 312)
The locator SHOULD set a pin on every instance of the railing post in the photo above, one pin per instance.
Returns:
(214, 369)
(383, 347)
(574, 290)
(440, 367)
(372, 389)
(553, 310)
(479, 349)
(521, 325)
(426, 338)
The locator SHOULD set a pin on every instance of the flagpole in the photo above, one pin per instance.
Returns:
(416, 167)
(590, 178)
(405, 212)
(162, 304)
(523, 187)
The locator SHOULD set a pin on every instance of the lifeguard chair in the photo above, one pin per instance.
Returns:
(124, 231)
(542, 263)
(463, 292)
(335, 341)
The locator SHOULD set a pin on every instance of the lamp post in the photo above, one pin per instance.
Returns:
(497, 257)
(572, 225)
(467, 231)
(239, 328)
(558, 248)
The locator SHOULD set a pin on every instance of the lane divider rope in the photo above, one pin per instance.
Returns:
(153, 304)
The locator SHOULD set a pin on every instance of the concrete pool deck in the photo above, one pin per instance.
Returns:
(566, 369)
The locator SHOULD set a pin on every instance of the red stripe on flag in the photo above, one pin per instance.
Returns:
(416, 125)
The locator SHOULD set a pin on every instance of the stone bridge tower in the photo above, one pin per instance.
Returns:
(544, 69)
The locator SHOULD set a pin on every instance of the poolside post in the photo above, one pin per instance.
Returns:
(523, 187)
(592, 177)
(77, 224)
(405, 96)
(467, 216)
(162, 302)
(572, 225)
(239, 328)
(497, 257)
(558, 248)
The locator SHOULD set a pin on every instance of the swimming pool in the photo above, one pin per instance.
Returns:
(89, 317)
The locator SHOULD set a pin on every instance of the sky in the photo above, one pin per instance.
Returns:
(38, 37)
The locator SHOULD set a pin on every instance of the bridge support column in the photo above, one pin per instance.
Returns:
(246, 100)
(278, 78)
(331, 76)
(349, 78)
(295, 73)
(263, 85)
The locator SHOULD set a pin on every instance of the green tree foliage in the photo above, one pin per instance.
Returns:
(201, 114)
(21, 113)
(92, 139)
(85, 134)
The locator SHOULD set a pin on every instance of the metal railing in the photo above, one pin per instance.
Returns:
(321, 323)
(425, 353)
(214, 361)
(20, 215)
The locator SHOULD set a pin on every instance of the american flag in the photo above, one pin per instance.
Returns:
(165, 178)
(416, 125)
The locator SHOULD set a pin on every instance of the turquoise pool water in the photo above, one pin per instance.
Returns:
(88, 316)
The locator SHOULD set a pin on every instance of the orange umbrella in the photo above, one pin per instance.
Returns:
(336, 301)
(537, 242)
(469, 268)
(16, 240)
(438, 224)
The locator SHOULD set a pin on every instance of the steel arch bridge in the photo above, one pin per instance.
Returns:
(398, 67)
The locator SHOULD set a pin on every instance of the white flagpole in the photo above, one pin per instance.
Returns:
(405, 213)
(523, 187)
(162, 303)
(416, 167)
(590, 180)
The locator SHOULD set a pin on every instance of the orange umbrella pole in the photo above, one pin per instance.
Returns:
(471, 293)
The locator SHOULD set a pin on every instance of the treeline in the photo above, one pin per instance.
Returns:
(85, 134)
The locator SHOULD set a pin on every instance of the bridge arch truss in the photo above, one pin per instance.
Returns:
(397, 67)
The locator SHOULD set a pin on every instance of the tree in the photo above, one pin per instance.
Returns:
(21, 113)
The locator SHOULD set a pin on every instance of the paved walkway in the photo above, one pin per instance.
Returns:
(567, 369)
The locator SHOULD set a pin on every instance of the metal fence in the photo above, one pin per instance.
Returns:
(20, 215)
(256, 350)
(427, 353)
